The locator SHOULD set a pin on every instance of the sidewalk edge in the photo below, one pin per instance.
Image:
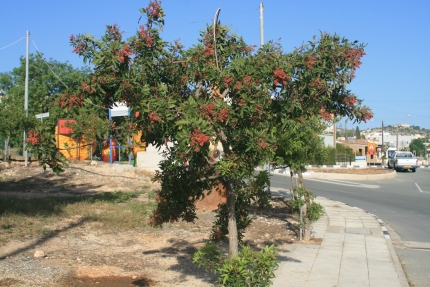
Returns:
(396, 261)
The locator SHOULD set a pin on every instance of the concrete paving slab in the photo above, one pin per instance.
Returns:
(353, 252)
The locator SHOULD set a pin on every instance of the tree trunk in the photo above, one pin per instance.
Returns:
(301, 180)
(6, 149)
(233, 242)
(307, 232)
(293, 183)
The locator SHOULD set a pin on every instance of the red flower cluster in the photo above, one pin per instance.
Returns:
(325, 115)
(353, 56)
(87, 88)
(317, 83)
(238, 85)
(33, 138)
(309, 63)
(154, 118)
(197, 138)
(113, 32)
(227, 81)
(70, 101)
(365, 114)
(153, 9)
(124, 53)
(280, 77)
(262, 143)
(78, 46)
(223, 115)
(350, 101)
(247, 79)
(207, 111)
(184, 80)
(209, 50)
(241, 102)
(146, 37)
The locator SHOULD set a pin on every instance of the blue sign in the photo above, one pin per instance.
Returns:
(360, 158)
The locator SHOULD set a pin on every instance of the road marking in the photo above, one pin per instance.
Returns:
(421, 189)
(345, 183)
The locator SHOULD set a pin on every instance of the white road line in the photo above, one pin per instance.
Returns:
(344, 183)
(421, 189)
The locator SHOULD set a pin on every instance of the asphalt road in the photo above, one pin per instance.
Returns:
(403, 203)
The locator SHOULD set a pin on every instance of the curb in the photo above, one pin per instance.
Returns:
(327, 175)
(396, 261)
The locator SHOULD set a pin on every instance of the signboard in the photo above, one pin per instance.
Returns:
(41, 116)
(63, 129)
(360, 158)
(120, 110)
(371, 148)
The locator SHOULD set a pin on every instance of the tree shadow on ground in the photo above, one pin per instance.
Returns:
(44, 184)
(43, 239)
(184, 250)
(54, 205)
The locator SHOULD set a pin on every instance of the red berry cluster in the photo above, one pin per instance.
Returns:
(124, 53)
(198, 138)
(154, 118)
(146, 36)
(280, 77)
(33, 138)
(153, 9)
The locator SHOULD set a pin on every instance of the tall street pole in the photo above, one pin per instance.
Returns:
(334, 132)
(261, 24)
(382, 142)
(26, 98)
(397, 138)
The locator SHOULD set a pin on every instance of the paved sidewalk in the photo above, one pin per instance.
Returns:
(354, 252)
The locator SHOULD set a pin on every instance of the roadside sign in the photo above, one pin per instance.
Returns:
(119, 110)
(41, 116)
(360, 158)
(371, 148)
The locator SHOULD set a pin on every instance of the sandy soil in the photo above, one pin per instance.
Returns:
(82, 255)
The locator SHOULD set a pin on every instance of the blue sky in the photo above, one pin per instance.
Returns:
(393, 79)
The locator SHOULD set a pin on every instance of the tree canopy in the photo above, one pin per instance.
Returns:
(220, 93)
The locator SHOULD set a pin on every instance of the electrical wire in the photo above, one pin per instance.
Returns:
(11, 44)
(48, 65)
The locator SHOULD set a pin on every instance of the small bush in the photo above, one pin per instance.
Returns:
(248, 268)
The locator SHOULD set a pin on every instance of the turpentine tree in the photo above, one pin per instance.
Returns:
(220, 92)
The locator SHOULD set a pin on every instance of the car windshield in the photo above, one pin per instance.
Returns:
(404, 154)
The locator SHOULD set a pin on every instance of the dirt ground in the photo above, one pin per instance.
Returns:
(352, 170)
(80, 254)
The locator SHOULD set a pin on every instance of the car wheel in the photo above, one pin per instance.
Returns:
(413, 170)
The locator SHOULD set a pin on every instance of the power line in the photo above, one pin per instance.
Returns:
(12, 44)
(48, 65)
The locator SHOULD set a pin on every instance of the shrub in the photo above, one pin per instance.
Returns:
(248, 268)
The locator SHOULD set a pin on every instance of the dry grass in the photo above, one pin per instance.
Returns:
(41, 216)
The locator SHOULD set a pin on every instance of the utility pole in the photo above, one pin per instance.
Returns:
(261, 24)
(334, 132)
(25, 153)
(397, 138)
(382, 142)
(346, 131)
